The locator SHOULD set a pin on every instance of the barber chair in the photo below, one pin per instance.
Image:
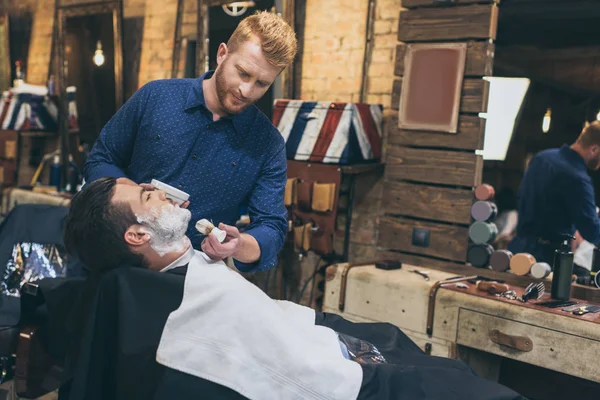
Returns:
(30, 249)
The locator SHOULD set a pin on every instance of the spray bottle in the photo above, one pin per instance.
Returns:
(55, 172)
(562, 270)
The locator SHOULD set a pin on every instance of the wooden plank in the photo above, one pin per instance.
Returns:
(473, 98)
(445, 241)
(433, 3)
(477, 21)
(432, 166)
(479, 61)
(470, 135)
(422, 201)
(580, 292)
(473, 332)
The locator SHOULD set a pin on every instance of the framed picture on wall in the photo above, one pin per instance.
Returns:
(432, 86)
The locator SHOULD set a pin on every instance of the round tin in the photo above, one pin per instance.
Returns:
(479, 255)
(540, 270)
(484, 210)
(500, 260)
(520, 264)
(484, 192)
(483, 232)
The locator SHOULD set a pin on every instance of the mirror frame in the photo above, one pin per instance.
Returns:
(66, 9)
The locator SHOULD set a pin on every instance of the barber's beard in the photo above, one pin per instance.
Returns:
(167, 226)
(224, 95)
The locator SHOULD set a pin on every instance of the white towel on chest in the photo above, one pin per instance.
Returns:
(228, 331)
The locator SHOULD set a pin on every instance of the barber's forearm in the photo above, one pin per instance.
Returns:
(249, 251)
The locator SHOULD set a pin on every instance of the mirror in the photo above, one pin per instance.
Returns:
(545, 88)
(89, 47)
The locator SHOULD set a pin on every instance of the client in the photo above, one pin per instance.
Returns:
(227, 331)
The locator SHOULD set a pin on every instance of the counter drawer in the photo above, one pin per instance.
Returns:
(552, 349)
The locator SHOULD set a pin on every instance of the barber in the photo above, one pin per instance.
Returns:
(206, 137)
(557, 198)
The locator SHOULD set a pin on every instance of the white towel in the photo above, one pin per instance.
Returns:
(230, 332)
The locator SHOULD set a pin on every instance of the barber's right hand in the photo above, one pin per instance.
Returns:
(149, 187)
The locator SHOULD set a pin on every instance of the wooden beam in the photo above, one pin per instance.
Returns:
(445, 241)
(433, 166)
(473, 98)
(535, 53)
(476, 21)
(471, 130)
(433, 3)
(429, 202)
(479, 62)
(424, 261)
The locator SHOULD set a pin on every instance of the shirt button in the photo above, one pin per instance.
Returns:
(233, 164)
(194, 157)
(180, 186)
(207, 126)
(157, 137)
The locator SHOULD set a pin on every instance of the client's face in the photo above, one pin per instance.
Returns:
(164, 221)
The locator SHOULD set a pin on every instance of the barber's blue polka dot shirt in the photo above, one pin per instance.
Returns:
(165, 132)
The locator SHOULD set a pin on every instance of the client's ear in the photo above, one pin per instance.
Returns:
(136, 235)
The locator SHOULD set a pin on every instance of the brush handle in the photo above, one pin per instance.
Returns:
(492, 287)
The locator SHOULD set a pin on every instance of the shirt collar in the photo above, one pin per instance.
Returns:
(573, 156)
(184, 259)
(195, 98)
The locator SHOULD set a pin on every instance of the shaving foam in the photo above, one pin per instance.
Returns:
(166, 227)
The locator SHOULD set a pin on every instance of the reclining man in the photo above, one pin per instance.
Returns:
(228, 332)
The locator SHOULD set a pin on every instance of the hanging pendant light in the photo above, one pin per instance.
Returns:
(546, 121)
(99, 54)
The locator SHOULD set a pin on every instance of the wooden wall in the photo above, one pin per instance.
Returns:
(430, 176)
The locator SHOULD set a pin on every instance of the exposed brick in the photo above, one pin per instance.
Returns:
(383, 70)
(157, 44)
(386, 41)
(380, 84)
(382, 55)
(41, 34)
(383, 26)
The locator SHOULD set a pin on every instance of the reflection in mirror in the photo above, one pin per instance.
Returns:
(544, 92)
(83, 35)
(506, 96)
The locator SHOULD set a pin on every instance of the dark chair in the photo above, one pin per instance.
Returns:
(27, 223)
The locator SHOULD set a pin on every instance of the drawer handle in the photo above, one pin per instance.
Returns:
(521, 343)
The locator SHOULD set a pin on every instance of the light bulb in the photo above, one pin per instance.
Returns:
(546, 121)
(598, 116)
(99, 54)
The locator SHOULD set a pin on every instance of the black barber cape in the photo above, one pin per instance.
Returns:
(116, 359)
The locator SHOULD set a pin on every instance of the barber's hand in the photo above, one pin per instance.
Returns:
(218, 251)
(149, 187)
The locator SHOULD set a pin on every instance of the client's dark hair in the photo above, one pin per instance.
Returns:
(95, 228)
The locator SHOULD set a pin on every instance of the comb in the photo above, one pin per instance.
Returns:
(534, 291)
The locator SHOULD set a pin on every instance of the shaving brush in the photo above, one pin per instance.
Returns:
(206, 227)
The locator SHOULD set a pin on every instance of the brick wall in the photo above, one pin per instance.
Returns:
(134, 8)
(380, 77)
(157, 45)
(41, 43)
(334, 47)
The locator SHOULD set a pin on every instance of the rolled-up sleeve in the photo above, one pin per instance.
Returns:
(267, 212)
(111, 153)
(582, 210)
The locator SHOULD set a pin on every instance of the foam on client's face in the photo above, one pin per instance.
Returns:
(166, 227)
